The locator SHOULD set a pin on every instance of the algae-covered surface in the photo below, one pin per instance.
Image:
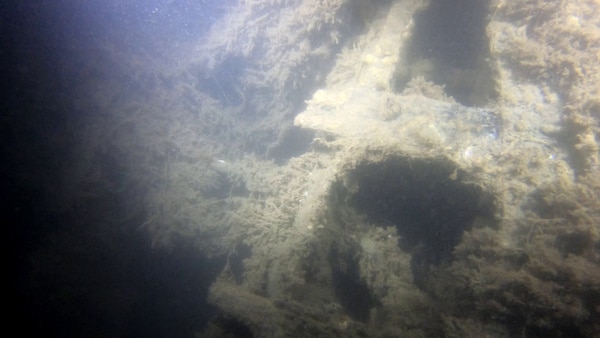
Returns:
(359, 168)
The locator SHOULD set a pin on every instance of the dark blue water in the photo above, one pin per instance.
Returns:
(70, 275)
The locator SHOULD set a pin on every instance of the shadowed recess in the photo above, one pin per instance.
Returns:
(426, 200)
(449, 46)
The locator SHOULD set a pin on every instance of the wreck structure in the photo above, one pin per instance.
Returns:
(377, 168)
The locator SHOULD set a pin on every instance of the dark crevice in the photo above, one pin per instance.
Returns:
(427, 201)
(350, 290)
(449, 47)
(236, 261)
(292, 141)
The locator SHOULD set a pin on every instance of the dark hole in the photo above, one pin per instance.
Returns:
(426, 200)
(576, 242)
(352, 293)
(449, 46)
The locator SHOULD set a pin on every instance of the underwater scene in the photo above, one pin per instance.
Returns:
(301, 168)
